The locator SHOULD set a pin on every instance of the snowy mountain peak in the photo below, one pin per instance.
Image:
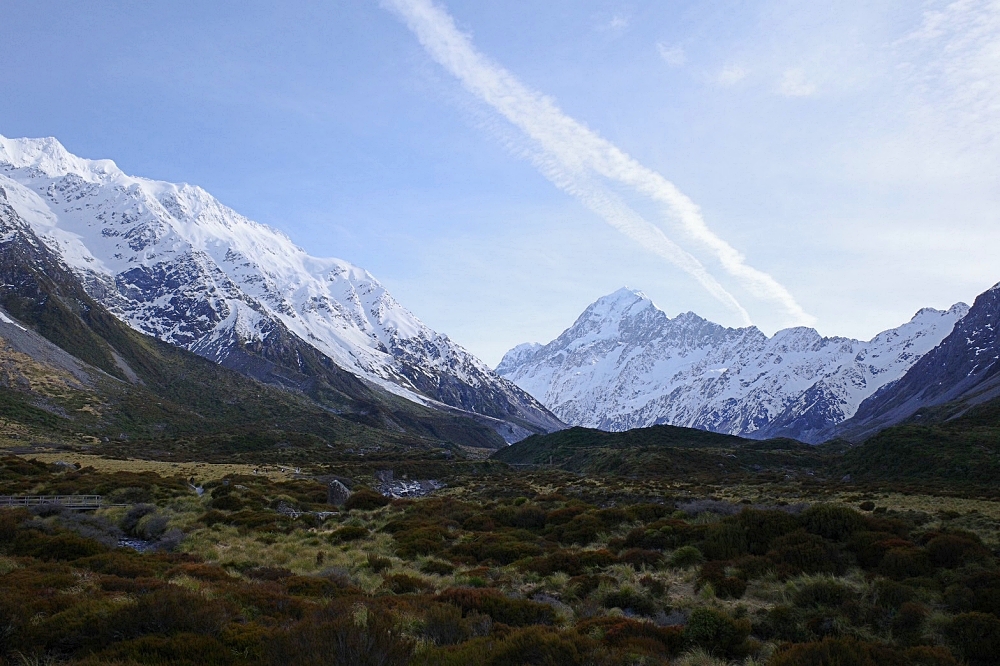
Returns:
(51, 158)
(174, 262)
(625, 364)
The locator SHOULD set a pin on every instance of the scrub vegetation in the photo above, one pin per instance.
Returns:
(531, 565)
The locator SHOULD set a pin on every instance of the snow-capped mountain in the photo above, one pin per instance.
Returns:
(172, 261)
(625, 364)
(963, 370)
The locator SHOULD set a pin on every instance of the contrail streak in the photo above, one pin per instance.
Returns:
(572, 155)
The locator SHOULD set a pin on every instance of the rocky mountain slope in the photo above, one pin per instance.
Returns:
(625, 364)
(69, 368)
(173, 262)
(961, 372)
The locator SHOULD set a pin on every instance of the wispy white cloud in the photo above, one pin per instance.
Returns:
(954, 61)
(618, 22)
(795, 84)
(580, 161)
(672, 55)
(730, 75)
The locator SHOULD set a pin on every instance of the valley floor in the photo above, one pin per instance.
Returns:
(500, 566)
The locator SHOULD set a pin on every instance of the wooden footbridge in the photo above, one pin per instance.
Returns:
(77, 502)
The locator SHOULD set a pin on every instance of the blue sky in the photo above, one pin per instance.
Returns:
(848, 154)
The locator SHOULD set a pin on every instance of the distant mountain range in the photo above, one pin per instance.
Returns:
(173, 262)
(625, 364)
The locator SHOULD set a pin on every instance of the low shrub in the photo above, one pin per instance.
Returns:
(365, 499)
(832, 521)
(726, 586)
(406, 584)
(686, 557)
(339, 634)
(716, 632)
(348, 533)
(630, 601)
(514, 612)
(638, 558)
(825, 592)
(850, 652)
(975, 637)
(438, 567)
(377, 563)
(444, 624)
(573, 563)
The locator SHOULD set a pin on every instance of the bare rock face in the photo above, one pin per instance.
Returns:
(337, 493)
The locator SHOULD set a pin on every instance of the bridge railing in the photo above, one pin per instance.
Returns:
(68, 501)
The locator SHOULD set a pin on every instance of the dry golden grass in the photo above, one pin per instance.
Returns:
(201, 471)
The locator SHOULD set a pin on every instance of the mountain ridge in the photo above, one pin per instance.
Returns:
(173, 262)
(624, 364)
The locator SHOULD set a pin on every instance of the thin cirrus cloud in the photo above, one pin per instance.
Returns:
(582, 163)
(673, 55)
(795, 84)
(731, 75)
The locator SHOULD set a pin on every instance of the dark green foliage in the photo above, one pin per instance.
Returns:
(726, 586)
(406, 584)
(437, 567)
(832, 521)
(639, 558)
(685, 557)
(975, 637)
(717, 633)
(725, 541)
(348, 533)
(630, 601)
(800, 552)
(515, 612)
(955, 550)
(572, 562)
(905, 562)
(850, 652)
(377, 563)
(338, 635)
(444, 624)
(829, 593)
(365, 500)
(908, 624)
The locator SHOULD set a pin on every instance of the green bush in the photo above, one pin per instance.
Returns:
(725, 541)
(348, 533)
(725, 585)
(716, 632)
(761, 528)
(952, 550)
(832, 521)
(975, 637)
(573, 563)
(406, 584)
(444, 624)
(365, 499)
(686, 557)
(908, 624)
(631, 601)
(804, 553)
(826, 592)
(438, 567)
(851, 652)
(638, 558)
(515, 612)
(342, 635)
(906, 562)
